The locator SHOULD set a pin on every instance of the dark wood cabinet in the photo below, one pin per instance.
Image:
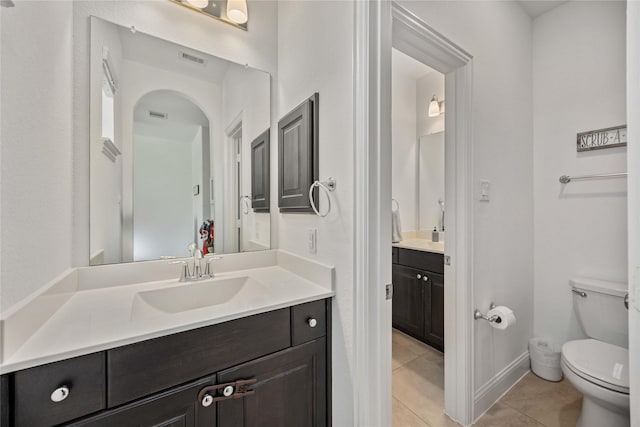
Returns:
(290, 390)
(298, 156)
(160, 382)
(408, 300)
(418, 295)
(260, 175)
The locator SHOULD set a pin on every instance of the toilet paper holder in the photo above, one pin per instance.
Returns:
(478, 315)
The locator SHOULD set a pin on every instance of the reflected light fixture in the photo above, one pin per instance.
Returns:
(435, 107)
(237, 11)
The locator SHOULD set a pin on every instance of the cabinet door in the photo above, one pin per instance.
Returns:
(177, 407)
(298, 156)
(408, 300)
(290, 390)
(434, 310)
(260, 173)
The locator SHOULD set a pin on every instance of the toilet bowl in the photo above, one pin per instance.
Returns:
(599, 371)
(598, 367)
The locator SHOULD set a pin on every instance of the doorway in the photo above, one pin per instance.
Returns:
(418, 242)
(379, 27)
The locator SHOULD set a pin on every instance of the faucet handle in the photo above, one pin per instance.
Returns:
(207, 268)
(184, 271)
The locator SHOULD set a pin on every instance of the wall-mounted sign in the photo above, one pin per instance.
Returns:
(602, 138)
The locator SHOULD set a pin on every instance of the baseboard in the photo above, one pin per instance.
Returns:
(501, 383)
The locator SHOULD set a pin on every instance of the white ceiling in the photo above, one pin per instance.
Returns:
(184, 118)
(163, 54)
(535, 8)
(407, 66)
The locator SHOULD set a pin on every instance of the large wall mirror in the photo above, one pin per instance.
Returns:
(171, 131)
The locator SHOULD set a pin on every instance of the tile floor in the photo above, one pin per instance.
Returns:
(418, 394)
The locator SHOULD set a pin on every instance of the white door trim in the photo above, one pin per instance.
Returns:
(377, 25)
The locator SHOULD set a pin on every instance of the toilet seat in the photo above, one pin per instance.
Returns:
(603, 364)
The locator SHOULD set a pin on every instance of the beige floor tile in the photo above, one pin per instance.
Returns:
(554, 404)
(404, 417)
(419, 385)
(501, 415)
(532, 387)
(408, 344)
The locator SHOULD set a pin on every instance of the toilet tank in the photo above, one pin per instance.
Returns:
(599, 306)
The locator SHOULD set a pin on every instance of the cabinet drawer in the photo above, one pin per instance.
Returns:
(427, 261)
(176, 407)
(150, 366)
(84, 377)
(394, 255)
(302, 317)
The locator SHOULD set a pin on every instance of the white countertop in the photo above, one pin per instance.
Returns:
(421, 245)
(95, 319)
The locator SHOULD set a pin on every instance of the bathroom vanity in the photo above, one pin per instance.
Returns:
(253, 349)
(418, 292)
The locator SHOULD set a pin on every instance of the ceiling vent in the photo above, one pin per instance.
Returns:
(192, 58)
(158, 115)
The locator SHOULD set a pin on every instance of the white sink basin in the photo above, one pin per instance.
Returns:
(197, 295)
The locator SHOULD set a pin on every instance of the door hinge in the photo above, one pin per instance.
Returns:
(447, 260)
(389, 291)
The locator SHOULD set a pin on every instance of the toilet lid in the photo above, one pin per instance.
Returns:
(599, 362)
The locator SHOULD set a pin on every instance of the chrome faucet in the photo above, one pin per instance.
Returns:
(195, 272)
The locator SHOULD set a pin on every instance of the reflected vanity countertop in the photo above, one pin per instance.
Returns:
(92, 319)
(421, 245)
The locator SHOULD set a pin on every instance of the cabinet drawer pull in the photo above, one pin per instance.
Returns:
(425, 278)
(419, 276)
(312, 322)
(228, 391)
(60, 394)
(234, 390)
(207, 400)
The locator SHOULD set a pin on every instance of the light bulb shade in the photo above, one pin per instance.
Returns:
(200, 4)
(237, 11)
(434, 107)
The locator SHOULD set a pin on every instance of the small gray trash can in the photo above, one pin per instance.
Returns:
(545, 358)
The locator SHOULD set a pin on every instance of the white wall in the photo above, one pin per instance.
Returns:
(245, 93)
(404, 145)
(431, 178)
(578, 85)
(498, 35)
(633, 164)
(315, 54)
(163, 219)
(36, 135)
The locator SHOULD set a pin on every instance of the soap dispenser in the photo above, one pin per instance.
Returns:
(435, 236)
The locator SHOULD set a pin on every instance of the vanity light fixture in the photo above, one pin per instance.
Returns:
(436, 107)
(232, 12)
(200, 4)
(237, 11)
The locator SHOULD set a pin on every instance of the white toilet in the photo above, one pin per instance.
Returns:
(599, 366)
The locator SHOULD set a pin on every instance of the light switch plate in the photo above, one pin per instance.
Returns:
(485, 188)
(313, 240)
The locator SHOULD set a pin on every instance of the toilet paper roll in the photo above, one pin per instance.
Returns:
(504, 319)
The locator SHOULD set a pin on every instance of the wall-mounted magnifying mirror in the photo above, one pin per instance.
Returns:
(171, 130)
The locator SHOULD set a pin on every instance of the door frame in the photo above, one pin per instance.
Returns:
(379, 26)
